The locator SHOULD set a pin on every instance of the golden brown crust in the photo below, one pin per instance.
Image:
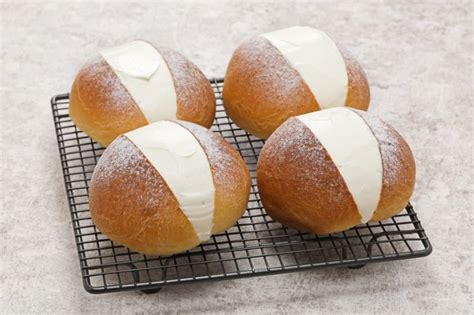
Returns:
(194, 94)
(299, 184)
(262, 90)
(131, 203)
(399, 170)
(358, 92)
(100, 105)
(230, 175)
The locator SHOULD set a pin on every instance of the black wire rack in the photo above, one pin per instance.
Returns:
(256, 245)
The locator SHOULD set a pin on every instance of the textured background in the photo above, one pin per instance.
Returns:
(419, 62)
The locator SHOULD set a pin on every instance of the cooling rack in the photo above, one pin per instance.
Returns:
(255, 246)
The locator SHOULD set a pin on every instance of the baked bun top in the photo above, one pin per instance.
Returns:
(181, 161)
(337, 167)
(354, 149)
(315, 56)
(290, 72)
(168, 186)
(134, 84)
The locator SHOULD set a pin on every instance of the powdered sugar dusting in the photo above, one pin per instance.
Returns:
(122, 160)
(133, 205)
(273, 62)
(259, 50)
(358, 93)
(261, 89)
(114, 95)
(354, 71)
(392, 149)
(186, 76)
(294, 147)
(194, 94)
(223, 163)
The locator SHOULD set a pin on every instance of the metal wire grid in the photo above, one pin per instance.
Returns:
(256, 245)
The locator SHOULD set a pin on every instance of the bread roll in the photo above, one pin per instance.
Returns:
(129, 86)
(167, 187)
(290, 72)
(330, 170)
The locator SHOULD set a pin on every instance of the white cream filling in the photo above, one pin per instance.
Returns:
(317, 59)
(181, 161)
(354, 150)
(145, 75)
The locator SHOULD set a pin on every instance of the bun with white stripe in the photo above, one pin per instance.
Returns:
(130, 86)
(167, 187)
(290, 72)
(330, 170)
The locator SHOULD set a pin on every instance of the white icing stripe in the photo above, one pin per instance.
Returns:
(317, 59)
(354, 150)
(183, 164)
(145, 74)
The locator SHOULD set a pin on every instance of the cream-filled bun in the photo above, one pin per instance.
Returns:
(290, 72)
(330, 170)
(167, 187)
(132, 85)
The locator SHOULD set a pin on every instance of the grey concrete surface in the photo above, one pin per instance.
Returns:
(419, 60)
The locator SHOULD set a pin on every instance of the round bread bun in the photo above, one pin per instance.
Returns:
(129, 86)
(167, 187)
(262, 88)
(330, 170)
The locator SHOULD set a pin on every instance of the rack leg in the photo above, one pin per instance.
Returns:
(369, 252)
(151, 291)
(136, 277)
